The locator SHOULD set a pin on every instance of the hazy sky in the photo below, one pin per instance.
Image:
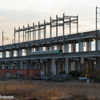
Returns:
(15, 13)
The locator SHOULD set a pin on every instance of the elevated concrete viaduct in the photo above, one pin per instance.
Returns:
(53, 63)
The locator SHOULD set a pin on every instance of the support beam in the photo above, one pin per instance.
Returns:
(4, 54)
(44, 30)
(11, 53)
(47, 48)
(28, 32)
(66, 65)
(52, 47)
(40, 48)
(20, 52)
(23, 33)
(66, 48)
(50, 28)
(82, 65)
(98, 45)
(56, 25)
(73, 47)
(63, 24)
(28, 51)
(19, 36)
(81, 48)
(88, 46)
(59, 46)
(39, 30)
(72, 65)
(53, 67)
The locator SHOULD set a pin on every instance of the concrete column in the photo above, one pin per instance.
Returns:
(53, 67)
(79, 66)
(47, 48)
(40, 48)
(21, 64)
(66, 48)
(81, 48)
(52, 47)
(72, 65)
(20, 52)
(73, 47)
(44, 68)
(57, 68)
(98, 44)
(11, 53)
(36, 49)
(4, 65)
(47, 67)
(17, 65)
(82, 64)
(28, 51)
(36, 66)
(59, 46)
(88, 46)
(87, 64)
(4, 54)
(41, 63)
(66, 65)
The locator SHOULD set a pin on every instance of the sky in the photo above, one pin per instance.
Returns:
(15, 13)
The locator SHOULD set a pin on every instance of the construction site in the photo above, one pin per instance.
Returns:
(49, 56)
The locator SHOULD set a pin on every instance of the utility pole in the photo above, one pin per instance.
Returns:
(96, 32)
(97, 40)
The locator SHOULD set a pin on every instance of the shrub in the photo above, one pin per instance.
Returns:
(97, 79)
(74, 73)
(62, 72)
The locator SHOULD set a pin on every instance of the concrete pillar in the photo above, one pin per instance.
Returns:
(20, 52)
(40, 48)
(98, 44)
(11, 53)
(44, 68)
(87, 64)
(36, 49)
(52, 47)
(81, 48)
(17, 65)
(53, 67)
(41, 63)
(28, 51)
(59, 46)
(73, 47)
(21, 64)
(72, 65)
(66, 48)
(47, 48)
(62, 65)
(47, 68)
(35, 65)
(82, 64)
(88, 46)
(4, 54)
(66, 65)
(57, 68)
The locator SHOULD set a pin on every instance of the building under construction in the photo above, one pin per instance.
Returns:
(56, 56)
